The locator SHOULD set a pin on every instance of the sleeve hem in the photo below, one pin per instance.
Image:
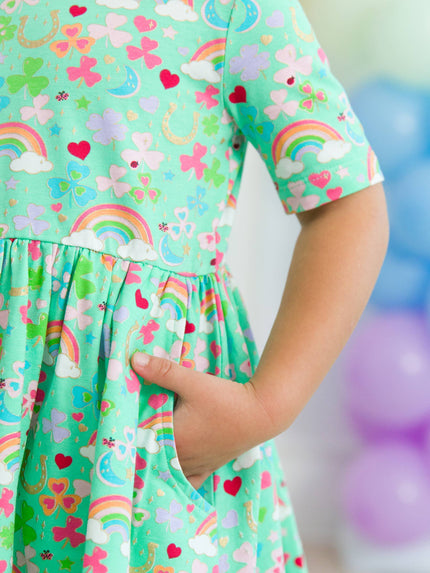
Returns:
(307, 200)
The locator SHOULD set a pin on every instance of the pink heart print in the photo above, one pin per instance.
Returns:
(144, 25)
(157, 400)
(320, 180)
(334, 193)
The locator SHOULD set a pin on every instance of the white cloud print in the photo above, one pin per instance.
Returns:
(31, 162)
(201, 70)
(202, 545)
(66, 368)
(287, 167)
(137, 250)
(177, 10)
(333, 149)
(85, 238)
(115, 4)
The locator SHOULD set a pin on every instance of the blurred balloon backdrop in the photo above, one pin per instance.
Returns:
(386, 365)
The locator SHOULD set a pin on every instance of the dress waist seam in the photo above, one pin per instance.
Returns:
(222, 268)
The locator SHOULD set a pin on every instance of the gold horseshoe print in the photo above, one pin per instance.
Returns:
(36, 43)
(36, 488)
(249, 517)
(147, 566)
(175, 138)
(306, 37)
(127, 342)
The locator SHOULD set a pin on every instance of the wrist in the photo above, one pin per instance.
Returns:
(266, 425)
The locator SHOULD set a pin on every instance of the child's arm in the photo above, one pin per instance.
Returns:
(336, 261)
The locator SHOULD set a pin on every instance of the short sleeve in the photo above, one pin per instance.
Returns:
(281, 93)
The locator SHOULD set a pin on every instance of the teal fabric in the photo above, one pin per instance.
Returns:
(124, 127)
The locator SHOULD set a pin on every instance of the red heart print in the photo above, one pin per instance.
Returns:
(189, 327)
(232, 486)
(138, 482)
(141, 302)
(238, 96)
(335, 193)
(144, 24)
(78, 416)
(173, 551)
(320, 180)
(299, 561)
(80, 149)
(157, 400)
(215, 348)
(77, 10)
(56, 207)
(140, 462)
(63, 461)
(168, 79)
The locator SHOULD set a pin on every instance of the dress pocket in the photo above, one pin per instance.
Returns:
(203, 498)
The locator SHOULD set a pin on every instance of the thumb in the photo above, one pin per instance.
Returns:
(163, 372)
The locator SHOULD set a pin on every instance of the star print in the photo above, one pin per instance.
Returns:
(55, 129)
(11, 183)
(83, 103)
(186, 248)
(163, 475)
(323, 72)
(168, 175)
(89, 338)
(129, 474)
(66, 563)
(169, 32)
(342, 171)
(361, 178)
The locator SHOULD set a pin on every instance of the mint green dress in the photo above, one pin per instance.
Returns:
(123, 131)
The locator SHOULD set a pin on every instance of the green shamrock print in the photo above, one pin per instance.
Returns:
(35, 85)
(6, 31)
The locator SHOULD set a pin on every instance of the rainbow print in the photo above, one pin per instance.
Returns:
(113, 512)
(9, 451)
(209, 527)
(300, 137)
(16, 138)
(117, 221)
(231, 201)
(210, 306)
(212, 51)
(173, 295)
(161, 423)
(372, 164)
(59, 333)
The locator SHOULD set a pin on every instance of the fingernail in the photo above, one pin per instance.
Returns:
(141, 358)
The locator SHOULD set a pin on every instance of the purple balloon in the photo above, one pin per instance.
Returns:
(386, 493)
(387, 371)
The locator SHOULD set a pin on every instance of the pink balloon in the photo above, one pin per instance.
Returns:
(386, 493)
(387, 371)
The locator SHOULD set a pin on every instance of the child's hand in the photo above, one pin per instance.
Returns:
(215, 419)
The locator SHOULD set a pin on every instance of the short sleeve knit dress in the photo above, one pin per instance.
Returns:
(123, 131)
